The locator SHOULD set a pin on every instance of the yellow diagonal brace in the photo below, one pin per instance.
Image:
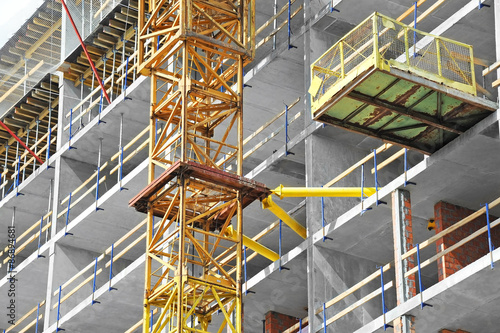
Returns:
(226, 316)
(268, 203)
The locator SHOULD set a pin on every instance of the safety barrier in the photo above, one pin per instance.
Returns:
(382, 43)
(414, 255)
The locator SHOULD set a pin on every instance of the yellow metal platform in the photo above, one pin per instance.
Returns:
(390, 81)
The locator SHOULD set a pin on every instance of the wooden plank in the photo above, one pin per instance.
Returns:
(81, 198)
(82, 185)
(354, 288)
(20, 320)
(454, 227)
(18, 83)
(495, 83)
(491, 68)
(295, 328)
(274, 17)
(452, 248)
(362, 301)
(74, 290)
(388, 161)
(263, 127)
(380, 149)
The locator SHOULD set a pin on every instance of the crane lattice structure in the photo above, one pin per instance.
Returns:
(194, 52)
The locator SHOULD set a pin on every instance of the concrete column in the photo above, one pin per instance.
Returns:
(403, 241)
(55, 205)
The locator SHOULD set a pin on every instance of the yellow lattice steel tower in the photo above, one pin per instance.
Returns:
(194, 51)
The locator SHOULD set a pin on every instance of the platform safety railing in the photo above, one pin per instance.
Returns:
(381, 42)
(418, 263)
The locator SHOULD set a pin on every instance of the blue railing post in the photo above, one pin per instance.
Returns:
(323, 222)
(48, 148)
(40, 238)
(151, 321)
(420, 284)
(363, 209)
(37, 316)
(300, 325)
(97, 190)
(111, 268)
(67, 216)
(481, 5)
(59, 311)
(290, 46)
(490, 243)
(324, 317)
(125, 80)
(378, 202)
(70, 129)
(17, 176)
(384, 309)
(121, 169)
(93, 283)
(406, 170)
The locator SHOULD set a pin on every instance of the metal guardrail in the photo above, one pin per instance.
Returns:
(382, 43)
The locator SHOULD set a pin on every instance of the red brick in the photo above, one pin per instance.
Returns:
(278, 322)
(446, 215)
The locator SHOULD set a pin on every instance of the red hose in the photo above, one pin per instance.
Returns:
(86, 52)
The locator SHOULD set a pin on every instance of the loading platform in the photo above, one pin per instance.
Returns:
(390, 81)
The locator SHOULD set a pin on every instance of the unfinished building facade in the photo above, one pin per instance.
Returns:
(365, 168)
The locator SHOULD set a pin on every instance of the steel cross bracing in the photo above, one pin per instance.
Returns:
(194, 51)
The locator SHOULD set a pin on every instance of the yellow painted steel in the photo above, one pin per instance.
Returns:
(268, 203)
(339, 192)
(381, 42)
(194, 51)
(253, 245)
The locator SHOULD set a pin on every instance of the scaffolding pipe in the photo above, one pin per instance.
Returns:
(268, 203)
(85, 50)
(342, 192)
(253, 245)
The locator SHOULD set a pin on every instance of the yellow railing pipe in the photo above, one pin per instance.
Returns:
(253, 245)
(284, 192)
(268, 203)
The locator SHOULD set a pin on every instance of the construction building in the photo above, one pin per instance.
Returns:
(253, 165)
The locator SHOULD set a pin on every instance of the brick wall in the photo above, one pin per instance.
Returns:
(450, 331)
(446, 215)
(278, 322)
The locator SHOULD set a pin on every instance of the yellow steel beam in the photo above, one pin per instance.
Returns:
(253, 245)
(339, 192)
(268, 203)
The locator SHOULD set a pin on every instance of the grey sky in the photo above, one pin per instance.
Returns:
(13, 13)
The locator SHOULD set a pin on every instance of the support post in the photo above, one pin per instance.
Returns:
(66, 233)
(98, 177)
(93, 283)
(384, 308)
(403, 240)
(111, 267)
(378, 202)
(406, 170)
(58, 310)
(363, 209)
(40, 239)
